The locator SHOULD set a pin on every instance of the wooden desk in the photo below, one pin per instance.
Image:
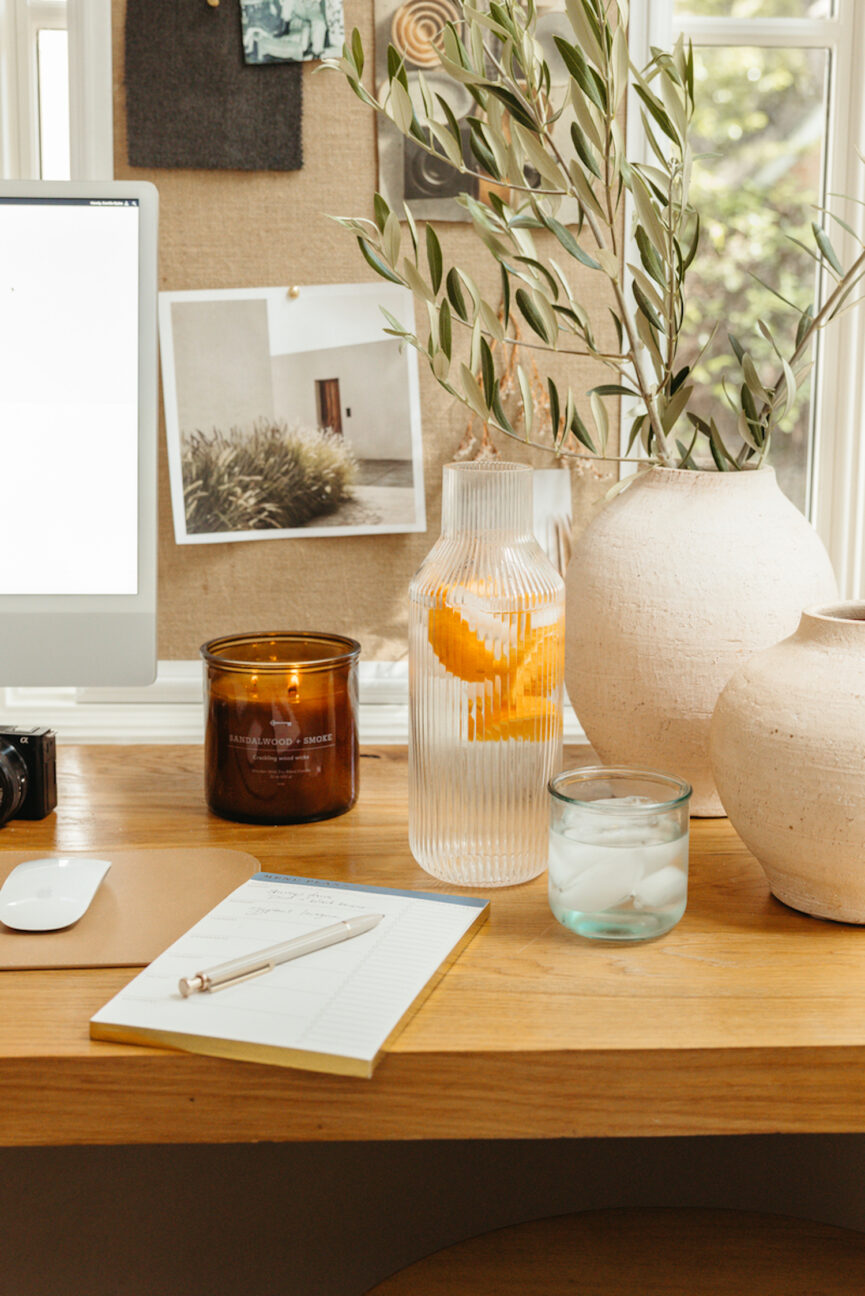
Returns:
(747, 1018)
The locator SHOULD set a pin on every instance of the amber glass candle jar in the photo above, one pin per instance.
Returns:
(280, 743)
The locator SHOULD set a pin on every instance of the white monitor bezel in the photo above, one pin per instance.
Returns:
(105, 639)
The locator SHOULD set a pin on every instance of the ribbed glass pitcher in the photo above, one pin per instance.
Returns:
(486, 646)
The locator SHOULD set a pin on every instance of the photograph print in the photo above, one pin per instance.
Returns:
(290, 413)
(409, 174)
(291, 31)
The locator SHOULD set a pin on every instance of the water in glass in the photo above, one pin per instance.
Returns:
(618, 869)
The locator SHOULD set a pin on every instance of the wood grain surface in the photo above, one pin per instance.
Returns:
(746, 1018)
(652, 1252)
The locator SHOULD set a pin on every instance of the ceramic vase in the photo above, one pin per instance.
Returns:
(788, 752)
(486, 649)
(676, 582)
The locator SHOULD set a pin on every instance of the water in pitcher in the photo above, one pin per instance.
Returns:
(486, 726)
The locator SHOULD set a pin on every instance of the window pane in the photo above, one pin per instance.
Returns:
(753, 8)
(52, 51)
(760, 124)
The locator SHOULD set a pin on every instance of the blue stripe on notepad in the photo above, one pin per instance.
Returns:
(472, 901)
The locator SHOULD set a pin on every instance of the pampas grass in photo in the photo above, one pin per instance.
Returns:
(265, 477)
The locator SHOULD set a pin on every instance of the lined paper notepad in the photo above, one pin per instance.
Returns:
(333, 1010)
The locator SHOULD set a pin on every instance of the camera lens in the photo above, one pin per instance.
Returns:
(13, 781)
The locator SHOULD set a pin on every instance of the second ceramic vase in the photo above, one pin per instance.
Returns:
(788, 751)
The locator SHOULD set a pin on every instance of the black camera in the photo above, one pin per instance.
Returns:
(28, 773)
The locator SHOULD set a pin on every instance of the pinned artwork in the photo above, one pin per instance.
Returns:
(289, 413)
(409, 174)
(291, 31)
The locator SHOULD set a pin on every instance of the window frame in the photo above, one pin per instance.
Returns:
(836, 498)
(91, 135)
(91, 90)
(171, 710)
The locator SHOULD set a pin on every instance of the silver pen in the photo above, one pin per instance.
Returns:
(252, 965)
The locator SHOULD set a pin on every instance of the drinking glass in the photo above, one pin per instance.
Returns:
(618, 866)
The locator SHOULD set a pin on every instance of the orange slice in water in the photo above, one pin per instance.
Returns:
(460, 650)
(541, 666)
(527, 674)
(527, 721)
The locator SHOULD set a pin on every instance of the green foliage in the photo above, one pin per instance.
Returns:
(571, 142)
(263, 478)
(758, 124)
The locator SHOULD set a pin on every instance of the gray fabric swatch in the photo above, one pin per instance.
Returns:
(192, 101)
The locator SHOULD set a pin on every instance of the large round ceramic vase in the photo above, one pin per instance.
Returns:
(676, 582)
(788, 751)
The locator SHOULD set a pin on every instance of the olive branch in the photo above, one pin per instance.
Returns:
(545, 146)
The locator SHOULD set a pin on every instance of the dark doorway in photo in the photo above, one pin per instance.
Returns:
(328, 404)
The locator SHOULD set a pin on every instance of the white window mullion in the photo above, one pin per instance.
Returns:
(838, 506)
(91, 93)
(25, 107)
(768, 32)
(9, 96)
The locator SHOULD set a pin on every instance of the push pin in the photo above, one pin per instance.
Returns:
(214, 4)
(294, 292)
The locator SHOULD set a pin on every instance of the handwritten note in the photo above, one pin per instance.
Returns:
(331, 1010)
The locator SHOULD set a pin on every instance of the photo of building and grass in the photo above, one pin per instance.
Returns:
(323, 439)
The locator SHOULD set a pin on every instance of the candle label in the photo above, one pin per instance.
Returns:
(285, 752)
(308, 740)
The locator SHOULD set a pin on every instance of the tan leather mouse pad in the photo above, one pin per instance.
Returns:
(147, 899)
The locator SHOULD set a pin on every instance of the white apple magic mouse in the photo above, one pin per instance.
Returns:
(44, 894)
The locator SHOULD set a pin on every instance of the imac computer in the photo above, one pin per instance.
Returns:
(78, 414)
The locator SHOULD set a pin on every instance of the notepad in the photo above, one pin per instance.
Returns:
(334, 1010)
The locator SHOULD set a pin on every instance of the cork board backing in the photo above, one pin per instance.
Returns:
(236, 229)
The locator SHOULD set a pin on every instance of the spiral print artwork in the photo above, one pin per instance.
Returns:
(416, 29)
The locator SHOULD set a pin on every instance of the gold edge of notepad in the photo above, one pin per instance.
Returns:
(274, 1055)
(234, 1050)
(437, 977)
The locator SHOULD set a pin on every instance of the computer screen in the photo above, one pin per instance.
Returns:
(77, 433)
